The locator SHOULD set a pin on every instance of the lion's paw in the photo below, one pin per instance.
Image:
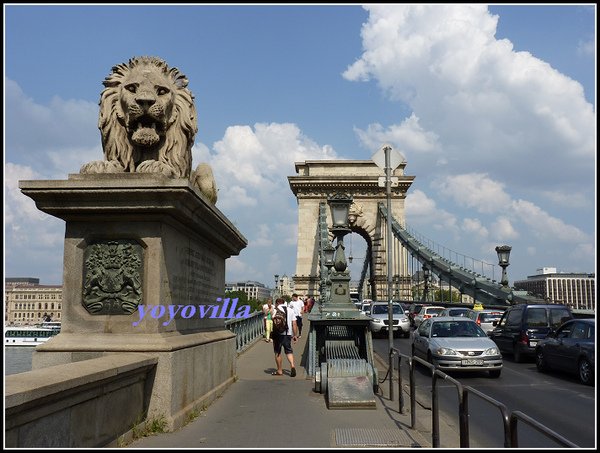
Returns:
(155, 166)
(102, 166)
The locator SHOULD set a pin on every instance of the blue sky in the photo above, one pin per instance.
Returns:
(493, 108)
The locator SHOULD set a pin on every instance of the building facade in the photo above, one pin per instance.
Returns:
(573, 289)
(254, 290)
(26, 302)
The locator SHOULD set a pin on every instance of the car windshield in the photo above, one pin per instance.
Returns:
(456, 329)
(383, 309)
(457, 312)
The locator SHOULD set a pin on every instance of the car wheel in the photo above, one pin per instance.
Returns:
(495, 373)
(517, 354)
(407, 334)
(540, 361)
(586, 374)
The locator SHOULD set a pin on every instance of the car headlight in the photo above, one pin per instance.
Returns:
(403, 319)
(492, 351)
(445, 351)
(378, 321)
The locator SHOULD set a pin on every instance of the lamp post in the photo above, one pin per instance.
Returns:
(426, 274)
(339, 204)
(276, 281)
(503, 252)
(397, 286)
(328, 252)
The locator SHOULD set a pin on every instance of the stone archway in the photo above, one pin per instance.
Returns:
(317, 179)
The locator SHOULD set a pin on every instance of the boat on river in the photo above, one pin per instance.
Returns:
(30, 335)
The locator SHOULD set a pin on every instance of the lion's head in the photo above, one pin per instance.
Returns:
(148, 124)
(148, 117)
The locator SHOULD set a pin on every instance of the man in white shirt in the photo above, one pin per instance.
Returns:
(285, 339)
(298, 307)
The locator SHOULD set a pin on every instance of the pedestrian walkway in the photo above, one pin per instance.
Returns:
(264, 411)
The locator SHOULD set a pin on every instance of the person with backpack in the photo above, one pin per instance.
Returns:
(285, 332)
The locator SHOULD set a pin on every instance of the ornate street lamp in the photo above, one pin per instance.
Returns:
(339, 204)
(276, 281)
(340, 209)
(503, 252)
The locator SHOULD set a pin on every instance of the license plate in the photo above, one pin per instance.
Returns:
(532, 343)
(469, 362)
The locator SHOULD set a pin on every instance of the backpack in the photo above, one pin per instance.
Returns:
(280, 324)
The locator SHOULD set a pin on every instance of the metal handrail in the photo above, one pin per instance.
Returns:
(514, 438)
(509, 419)
(246, 330)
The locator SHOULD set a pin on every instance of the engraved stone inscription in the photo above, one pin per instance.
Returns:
(112, 283)
(197, 279)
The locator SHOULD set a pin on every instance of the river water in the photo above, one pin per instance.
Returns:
(17, 359)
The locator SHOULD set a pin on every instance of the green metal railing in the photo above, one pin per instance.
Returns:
(246, 330)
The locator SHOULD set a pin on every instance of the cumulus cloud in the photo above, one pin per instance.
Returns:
(475, 190)
(486, 104)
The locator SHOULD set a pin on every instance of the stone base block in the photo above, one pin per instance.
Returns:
(192, 371)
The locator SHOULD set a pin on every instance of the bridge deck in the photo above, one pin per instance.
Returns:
(264, 411)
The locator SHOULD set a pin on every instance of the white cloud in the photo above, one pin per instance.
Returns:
(422, 210)
(407, 136)
(544, 226)
(568, 199)
(503, 229)
(263, 237)
(474, 226)
(587, 48)
(487, 106)
(475, 190)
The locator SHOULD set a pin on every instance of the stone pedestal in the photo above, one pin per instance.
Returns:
(142, 243)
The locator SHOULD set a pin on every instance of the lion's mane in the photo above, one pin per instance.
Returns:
(166, 149)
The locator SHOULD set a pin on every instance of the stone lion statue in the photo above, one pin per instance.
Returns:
(148, 123)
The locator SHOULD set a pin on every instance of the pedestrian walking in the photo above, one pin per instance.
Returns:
(284, 340)
(298, 307)
(268, 308)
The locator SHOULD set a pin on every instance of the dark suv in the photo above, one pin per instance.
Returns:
(523, 325)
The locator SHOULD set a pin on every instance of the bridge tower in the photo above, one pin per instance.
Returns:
(317, 179)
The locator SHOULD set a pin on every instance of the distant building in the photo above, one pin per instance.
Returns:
(286, 285)
(573, 289)
(26, 302)
(254, 290)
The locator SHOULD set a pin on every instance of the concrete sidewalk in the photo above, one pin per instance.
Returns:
(264, 411)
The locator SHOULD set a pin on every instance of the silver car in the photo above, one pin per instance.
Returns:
(456, 343)
(380, 319)
(485, 318)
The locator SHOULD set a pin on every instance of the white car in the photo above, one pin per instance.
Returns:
(380, 319)
(428, 311)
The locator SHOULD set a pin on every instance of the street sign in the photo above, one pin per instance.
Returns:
(395, 158)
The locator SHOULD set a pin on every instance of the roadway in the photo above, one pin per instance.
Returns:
(557, 400)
